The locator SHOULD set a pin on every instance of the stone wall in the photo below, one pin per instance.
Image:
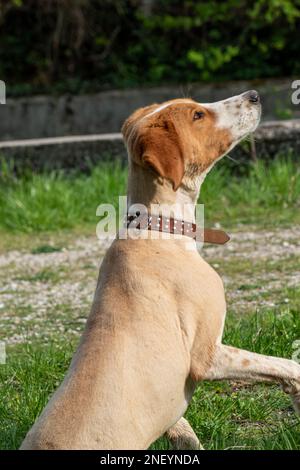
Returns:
(271, 138)
(49, 116)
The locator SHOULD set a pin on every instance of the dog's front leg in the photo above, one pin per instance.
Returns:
(183, 437)
(236, 364)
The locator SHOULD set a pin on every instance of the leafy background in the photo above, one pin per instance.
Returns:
(59, 46)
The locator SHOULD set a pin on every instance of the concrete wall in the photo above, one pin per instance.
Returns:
(46, 116)
(271, 138)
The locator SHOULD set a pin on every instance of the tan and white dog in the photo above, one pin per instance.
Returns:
(156, 323)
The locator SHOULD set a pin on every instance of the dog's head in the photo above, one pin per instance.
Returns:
(184, 138)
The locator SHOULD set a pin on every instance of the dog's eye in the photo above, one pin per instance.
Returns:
(198, 115)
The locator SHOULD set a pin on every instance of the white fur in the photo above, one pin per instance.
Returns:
(236, 115)
(163, 106)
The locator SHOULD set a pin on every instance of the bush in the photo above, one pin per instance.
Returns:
(84, 45)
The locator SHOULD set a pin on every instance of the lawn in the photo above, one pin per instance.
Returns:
(49, 258)
(265, 194)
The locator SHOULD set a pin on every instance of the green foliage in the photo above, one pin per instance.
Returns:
(83, 45)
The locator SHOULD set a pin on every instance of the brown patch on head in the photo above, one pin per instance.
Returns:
(181, 138)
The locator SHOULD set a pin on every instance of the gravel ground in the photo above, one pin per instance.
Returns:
(45, 295)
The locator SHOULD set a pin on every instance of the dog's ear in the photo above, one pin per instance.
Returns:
(155, 145)
(160, 150)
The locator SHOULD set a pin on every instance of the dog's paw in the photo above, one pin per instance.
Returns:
(296, 401)
(293, 389)
(186, 442)
(182, 436)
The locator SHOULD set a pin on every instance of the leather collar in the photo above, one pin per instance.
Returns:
(176, 226)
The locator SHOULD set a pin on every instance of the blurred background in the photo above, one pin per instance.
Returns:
(76, 67)
(74, 70)
(79, 46)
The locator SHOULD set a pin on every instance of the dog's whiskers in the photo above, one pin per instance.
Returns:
(250, 138)
(233, 159)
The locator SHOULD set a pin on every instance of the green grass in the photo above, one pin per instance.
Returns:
(224, 415)
(268, 194)
(45, 249)
(44, 275)
(233, 416)
(257, 416)
(46, 202)
(27, 380)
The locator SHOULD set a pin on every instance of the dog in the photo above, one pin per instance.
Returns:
(156, 323)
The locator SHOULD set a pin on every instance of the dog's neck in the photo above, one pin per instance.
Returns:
(157, 194)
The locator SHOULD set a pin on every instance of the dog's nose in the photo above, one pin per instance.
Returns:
(252, 96)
